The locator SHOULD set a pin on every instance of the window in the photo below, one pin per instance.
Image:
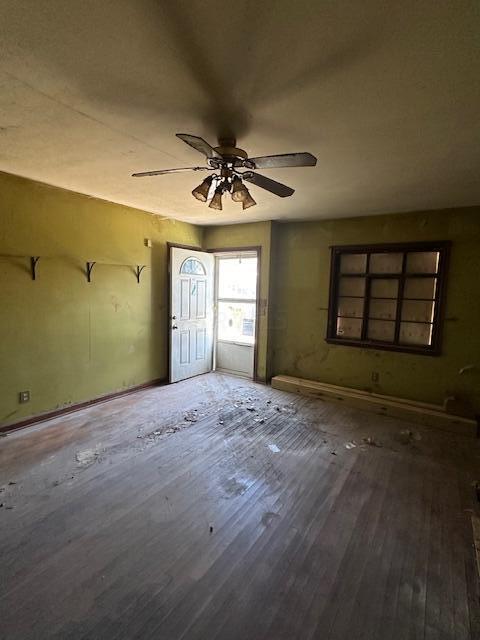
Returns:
(237, 291)
(192, 266)
(387, 296)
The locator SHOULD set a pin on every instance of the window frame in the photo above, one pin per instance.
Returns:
(230, 255)
(443, 248)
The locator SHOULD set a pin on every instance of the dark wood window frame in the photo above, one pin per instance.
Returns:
(443, 248)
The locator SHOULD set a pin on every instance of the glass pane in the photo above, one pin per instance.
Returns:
(416, 334)
(386, 262)
(417, 311)
(384, 309)
(350, 307)
(353, 263)
(420, 288)
(193, 266)
(236, 322)
(349, 328)
(384, 288)
(352, 286)
(237, 278)
(383, 330)
(422, 262)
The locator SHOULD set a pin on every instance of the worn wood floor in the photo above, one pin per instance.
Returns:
(219, 509)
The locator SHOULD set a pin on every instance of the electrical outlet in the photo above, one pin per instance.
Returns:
(375, 376)
(24, 396)
(147, 242)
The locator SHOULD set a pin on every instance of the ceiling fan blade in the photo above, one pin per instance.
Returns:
(284, 160)
(273, 186)
(161, 172)
(199, 144)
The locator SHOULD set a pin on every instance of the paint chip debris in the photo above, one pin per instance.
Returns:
(371, 442)
(350, 445)
(87, 457)
(274, 448)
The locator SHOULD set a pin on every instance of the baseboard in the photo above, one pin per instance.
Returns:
(421, 412)
(42, 417)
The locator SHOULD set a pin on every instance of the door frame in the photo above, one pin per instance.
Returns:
(170, 246)
(258, 250)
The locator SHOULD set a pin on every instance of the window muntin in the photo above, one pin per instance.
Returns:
(387, 296)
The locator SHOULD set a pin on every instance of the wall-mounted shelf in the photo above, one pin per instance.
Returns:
(91, 264)
(33, 262)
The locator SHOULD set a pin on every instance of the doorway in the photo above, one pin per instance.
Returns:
(236, 301)
(191, 312)
(213, 311)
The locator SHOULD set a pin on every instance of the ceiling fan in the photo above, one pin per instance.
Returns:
(227, 159)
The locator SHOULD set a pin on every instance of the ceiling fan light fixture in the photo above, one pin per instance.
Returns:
(201, 192)
(216, 202)
(239, 190)
(248, 201)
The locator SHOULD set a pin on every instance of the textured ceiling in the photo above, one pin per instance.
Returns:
(385, 94)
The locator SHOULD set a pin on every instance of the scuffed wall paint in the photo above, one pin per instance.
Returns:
(248, 235)
(66, 340)
(299, 314)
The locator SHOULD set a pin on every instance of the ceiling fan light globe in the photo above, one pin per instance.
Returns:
(239, 191)
(216, 202)
(201, 192)
(248, 201)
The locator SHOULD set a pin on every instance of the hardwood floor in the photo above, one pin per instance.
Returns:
(220, 509)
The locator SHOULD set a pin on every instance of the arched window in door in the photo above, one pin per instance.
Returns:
(192, 266)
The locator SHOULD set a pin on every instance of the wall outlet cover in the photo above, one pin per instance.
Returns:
(24, 396)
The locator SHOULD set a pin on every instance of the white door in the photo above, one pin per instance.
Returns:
(191, 322)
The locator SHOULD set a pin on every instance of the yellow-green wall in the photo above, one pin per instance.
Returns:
(67, 341)
(299, 315)
(256, 234)
(62, 338)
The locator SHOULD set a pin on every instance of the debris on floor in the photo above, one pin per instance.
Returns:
(268, 517)
(350, 445)
(87, 457)
(371, 442)
(211, 528)
(273, 448)
(406, 436)
(190, 417)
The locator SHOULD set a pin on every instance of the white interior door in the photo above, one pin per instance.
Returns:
(191, 322)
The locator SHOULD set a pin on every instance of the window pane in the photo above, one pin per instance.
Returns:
(349, 328)
(237, 278)
(417, 311)
(384, 309)
(352, 286)
(192, 266)
(382, 330)
(386, 262)
(236, 322)
(422, 262)
(353, 263)
(350, 307)
(416, 334)
(420, 288)
(384, 288)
